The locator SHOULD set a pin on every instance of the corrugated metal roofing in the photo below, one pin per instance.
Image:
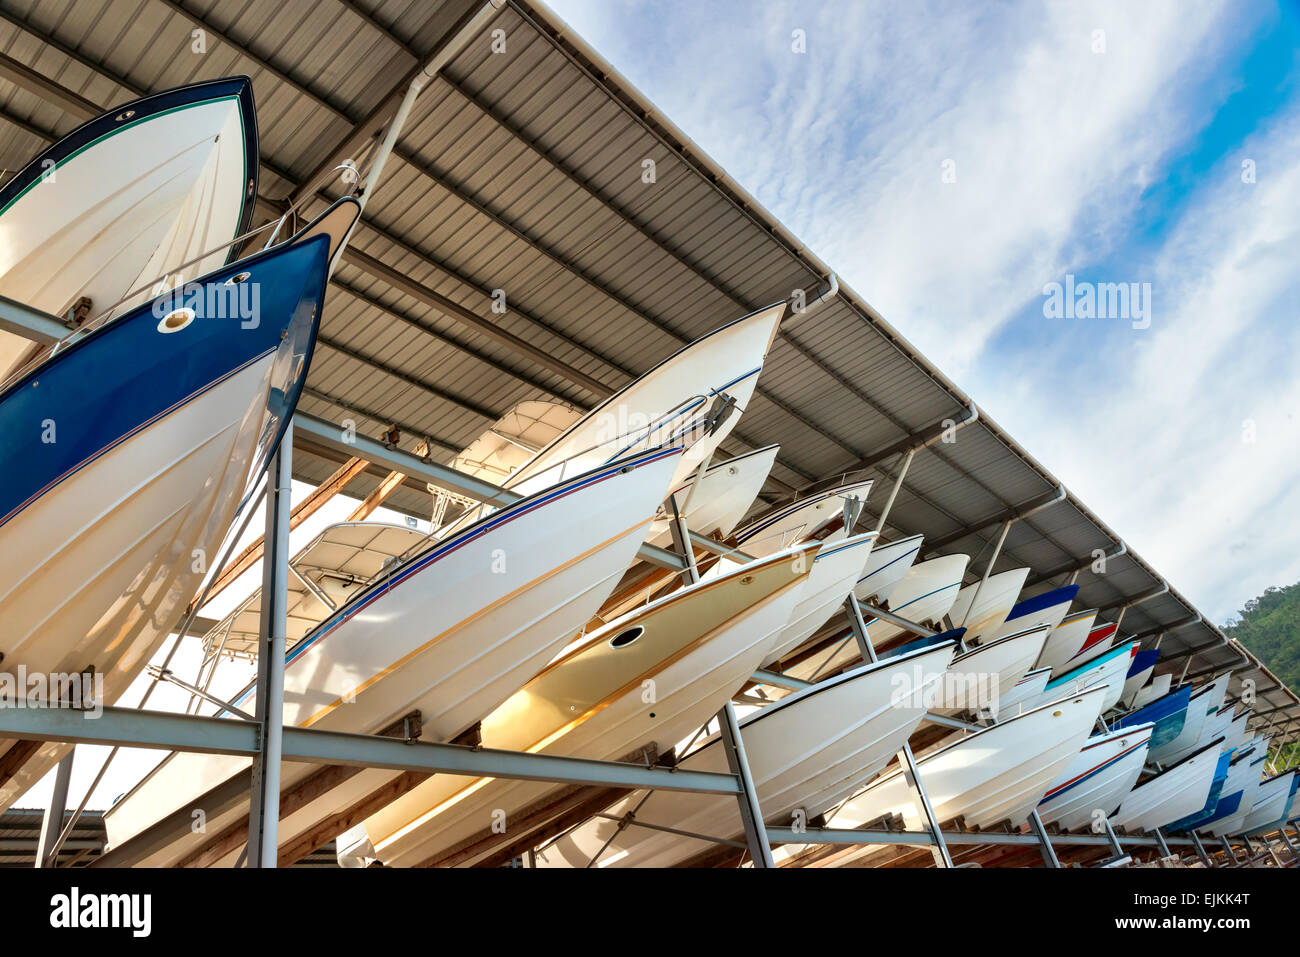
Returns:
(521, 171)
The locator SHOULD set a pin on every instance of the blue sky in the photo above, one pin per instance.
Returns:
(1102, 140)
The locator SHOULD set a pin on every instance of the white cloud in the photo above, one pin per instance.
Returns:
(1054, 146)
(1051, 141)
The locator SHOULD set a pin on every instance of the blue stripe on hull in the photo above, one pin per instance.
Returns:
(1048, 599)
(126, 375)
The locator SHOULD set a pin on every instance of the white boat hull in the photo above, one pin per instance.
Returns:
(886, 567)
(727, 360)
(976, 679)
(982, 607)
(1097, 780)
(1171, 796)
(997, 774)
(689, 688)
(925, 594)
(816, 515)
(807, 752)
(1065, 642)
(833, 575)
(721, 499)
(452, 633)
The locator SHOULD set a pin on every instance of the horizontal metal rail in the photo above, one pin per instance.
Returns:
(127, 727)
(815, 835)
(23, 320)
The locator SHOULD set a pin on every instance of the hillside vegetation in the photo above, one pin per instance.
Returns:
(1270, 627)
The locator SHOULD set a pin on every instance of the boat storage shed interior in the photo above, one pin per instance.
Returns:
(517, 179)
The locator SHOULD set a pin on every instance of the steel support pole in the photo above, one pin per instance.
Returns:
(750, 813)
(1286, 839)
(859, 627)
(264, 809)
(1115, 846)
(911, 626)
(1044, 843)
(939, 849)
(1200, 849)
(997, 552)
(52, 823)
(682, 543)
(1250, 848)
(893, 492)
(1160, 843)
(1227, 847)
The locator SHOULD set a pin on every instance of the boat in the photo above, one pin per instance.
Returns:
(512, 440)
(807, 752)
(983, 606)
(154, 189)
(665, 405)
(451, 630)
(1046, 608)
(696, 647)
(1212, 800)
(1066, 640)
(819, 514)
(1229, 823)
(1107, 670)
(976, 678)
(326, 573)
(834, 572)
(1241, 769)
(996, 774)
(1100, 640)
(1272, 803)
(105, 534)
(1167, 713)
(886, 567)
(924, 595)
(725, 493)
(1160, 686)
(1175, 792)
(1204, 703)
(1139, 671)
(1026, 692)
(1099, 777)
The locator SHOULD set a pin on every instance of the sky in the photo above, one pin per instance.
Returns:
(951, 161)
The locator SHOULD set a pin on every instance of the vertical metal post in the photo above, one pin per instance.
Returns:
(52, 824)
(750, 813)
(1044, 843)
(1116, 847)
(1286, 839)
(997, 551)
(1200, 849)
(682, 543)
(859, 628)
(264, 809)
(939, 849)
(1227, 847)
(1250, 848)
(893, 492)
(1160, 843)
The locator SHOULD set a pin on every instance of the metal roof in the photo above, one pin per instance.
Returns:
(20, 834)
(521, 171)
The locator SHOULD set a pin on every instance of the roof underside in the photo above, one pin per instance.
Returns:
(521, 171)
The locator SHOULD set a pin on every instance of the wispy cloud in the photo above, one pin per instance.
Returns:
(1084, 138)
